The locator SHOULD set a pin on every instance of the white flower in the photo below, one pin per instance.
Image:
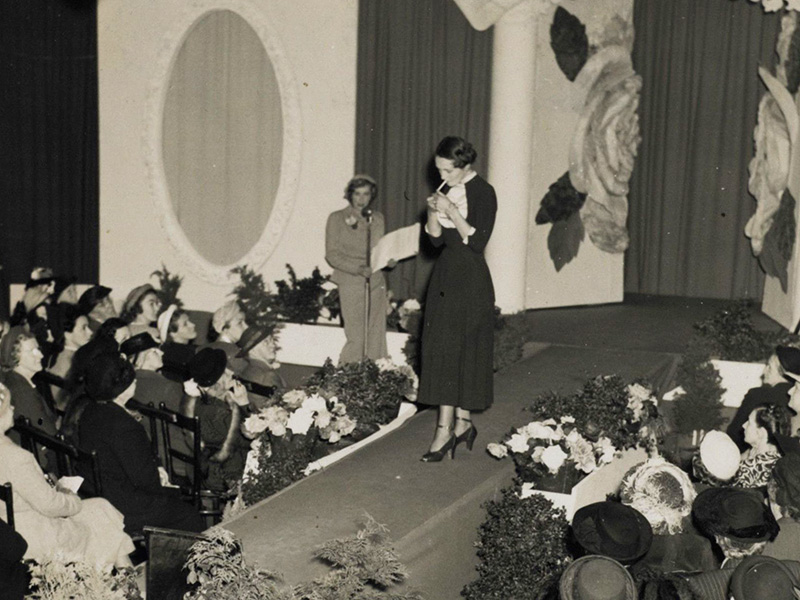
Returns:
(549, 422)
(337, 408)
(518, 443)
(294, 398)
(527, 491)
(606, 450)
(315, 403)
(385, 364)
(254, 424)
(581, 452)
(772, 5)
(497, 450)
(410, 305)
(536, 455)
(300, 421)
(567, 419)
(323, 419)
(553, 458)
(538, 431)
(793, 4)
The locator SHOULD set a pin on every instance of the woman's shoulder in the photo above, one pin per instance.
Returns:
(12, 453)
(478, 185)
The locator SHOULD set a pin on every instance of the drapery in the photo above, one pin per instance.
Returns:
(49, 144)
(689, 201)
(423, 73)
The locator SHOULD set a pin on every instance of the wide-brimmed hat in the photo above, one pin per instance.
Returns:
(251, 338)
(135, 295)
(138, 343)
(108, 376)
(763, 578)
(596, 577)
(39, 276)
(719, 454)
(92, 297)
(612, 529)
(735, 513)
(789, 358)
(207, 366)
(661, 491)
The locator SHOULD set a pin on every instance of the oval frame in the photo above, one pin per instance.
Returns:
(292, 141)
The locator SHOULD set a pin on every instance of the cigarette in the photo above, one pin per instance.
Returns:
(441, 185)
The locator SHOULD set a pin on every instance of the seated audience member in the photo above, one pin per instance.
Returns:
(738, 520)
(790, 361)
(218, 399)
(76, 333)
(763, 578)
(596, 577)
(775, 390)
(147, 359)
(140, 310)
(38, 291)
(717, 460)
(259, 348)
(760, 429)
(97, 305)
(783, 491)
(612, 529)
(65, 291)
(177, 332)
(131, 479)
(21, 359)
(14, 576)
(227, 326)
(664, 494)
(115, 328)
(57, 523)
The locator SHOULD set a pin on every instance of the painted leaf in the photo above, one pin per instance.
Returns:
(569, 42)
(564, 240)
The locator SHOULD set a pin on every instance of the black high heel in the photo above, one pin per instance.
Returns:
(468, 437)
(438, 455)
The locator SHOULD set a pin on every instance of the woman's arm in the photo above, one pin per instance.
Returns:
(433, 227)
(30, 484)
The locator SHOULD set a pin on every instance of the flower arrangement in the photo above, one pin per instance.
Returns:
(776, 5)
(522, 549)
(56, 580)
(581, 432)
(258, 304)
(286, 435)
(371, 390)
(405, 316)
(364, 567)
(300, 300)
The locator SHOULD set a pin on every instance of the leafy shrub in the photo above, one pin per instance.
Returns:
(169, 284)
(700, 406)
(522, 548)
(300, 300)
(258, 304)
(54, 580)
(510, 334)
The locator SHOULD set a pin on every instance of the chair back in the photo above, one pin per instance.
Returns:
(167, 551)
(69, 459)
(7, 496)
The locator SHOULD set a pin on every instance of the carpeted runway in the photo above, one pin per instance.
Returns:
(433, 510)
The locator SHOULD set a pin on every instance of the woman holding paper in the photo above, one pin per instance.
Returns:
(55, 522)
(458, 331)
(346, 235)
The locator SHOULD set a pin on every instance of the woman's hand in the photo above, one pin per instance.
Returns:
(238, 394)
(440, 203)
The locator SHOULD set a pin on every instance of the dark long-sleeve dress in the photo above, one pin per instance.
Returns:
(458, 332)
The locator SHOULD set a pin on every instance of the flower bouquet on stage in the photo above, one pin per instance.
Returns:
(578, 447)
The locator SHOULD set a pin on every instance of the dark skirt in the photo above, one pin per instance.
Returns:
(458, 333)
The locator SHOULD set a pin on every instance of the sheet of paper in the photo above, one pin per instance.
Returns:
(73, 484)
(398, 244)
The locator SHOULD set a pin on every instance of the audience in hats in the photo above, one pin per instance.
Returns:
(594, 577)
(38, 291)
(64, 290)
(178, 333)
(760, 429)
(716, 461)
(227, 326)
(55, 522)
(131, 479)
(783, 491)
(775, 390)
(219, 400)
(151, 386)
(140, 310)
(258, 346)
(97, 305)
(663, 494)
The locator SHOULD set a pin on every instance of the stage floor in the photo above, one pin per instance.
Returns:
(433, 510)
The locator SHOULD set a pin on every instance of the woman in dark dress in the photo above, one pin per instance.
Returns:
(458, 333)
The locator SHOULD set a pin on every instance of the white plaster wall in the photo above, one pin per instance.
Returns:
(318, 39)
(594, 276)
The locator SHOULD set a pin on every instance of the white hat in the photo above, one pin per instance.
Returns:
(719, 455)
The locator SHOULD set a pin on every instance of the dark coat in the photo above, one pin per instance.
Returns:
(13, 574)
(765, 394)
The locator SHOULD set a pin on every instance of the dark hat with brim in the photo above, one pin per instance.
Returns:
(138, 343)
(596, 578)
(207, 366)
(763, 578)
(789, 358)
(62, 283)
(92, 297)
(108, 376)
(612, 529)
(251, 338)
(735, 513)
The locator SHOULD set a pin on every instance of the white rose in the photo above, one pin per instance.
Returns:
(538, 431)
(315, 403)
(518, 443)
(255, 424)
(323, 419)
(300, 421)
(497, 450)
(553, 458)
(294, 398)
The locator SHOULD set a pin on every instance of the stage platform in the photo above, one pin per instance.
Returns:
(433, 510)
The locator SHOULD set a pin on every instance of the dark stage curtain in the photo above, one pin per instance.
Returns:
(423, 73)
(689, 201)
(48, 129)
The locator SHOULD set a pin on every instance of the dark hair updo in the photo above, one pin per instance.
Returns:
(457, 149)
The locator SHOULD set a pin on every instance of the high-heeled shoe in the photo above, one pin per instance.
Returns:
(468, 436)
(438, 455)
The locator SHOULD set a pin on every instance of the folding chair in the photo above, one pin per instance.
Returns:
(68, 457)
(7, 496)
